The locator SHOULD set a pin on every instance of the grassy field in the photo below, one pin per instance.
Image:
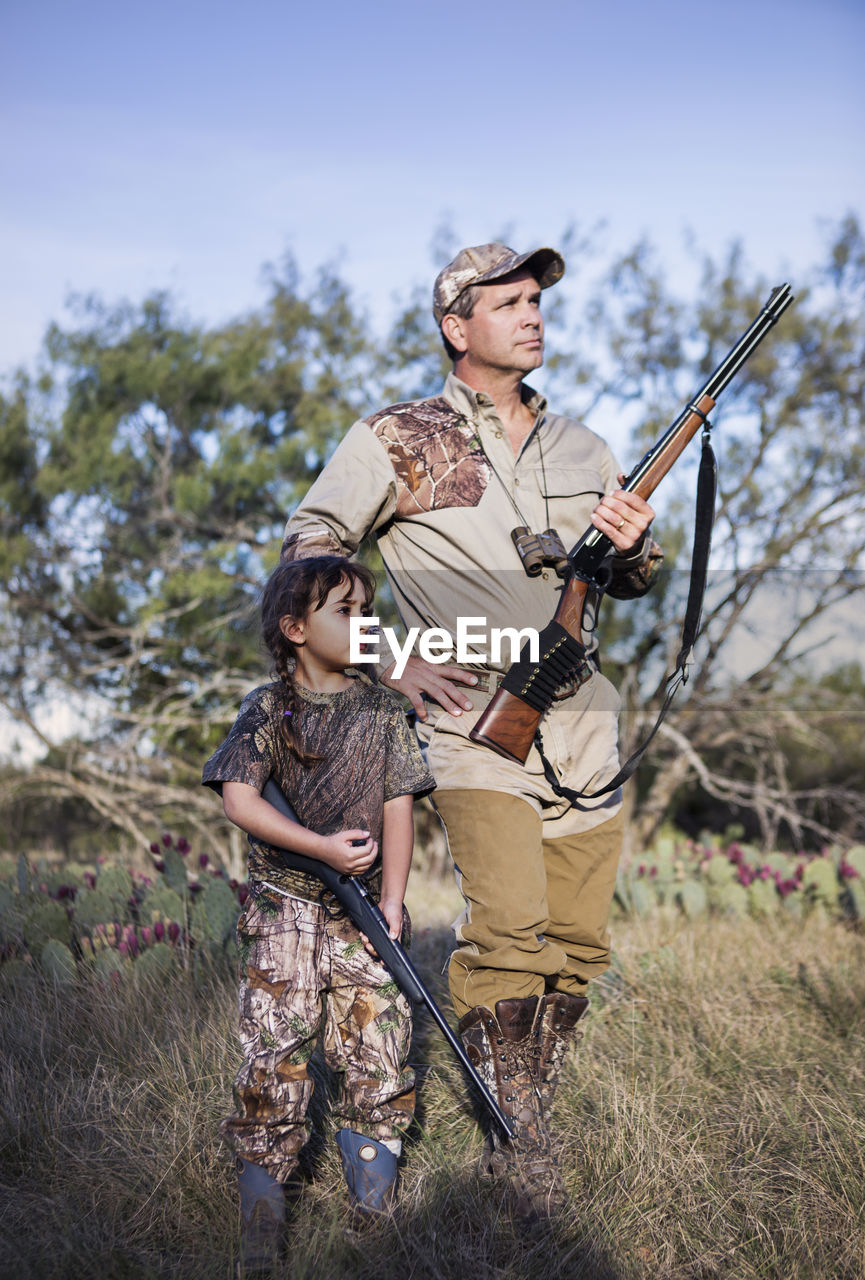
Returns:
(712, 1124)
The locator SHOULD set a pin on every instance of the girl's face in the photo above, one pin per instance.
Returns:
(323, 637)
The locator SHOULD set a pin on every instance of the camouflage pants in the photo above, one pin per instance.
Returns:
(305, 974)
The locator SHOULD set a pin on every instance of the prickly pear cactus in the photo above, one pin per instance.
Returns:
(855, 858)
(93, 907)
(175, 871)
(820, 882)
(720, 872)
(730, 899)
(692, 898)
(115, 882)
(643, 897)
(762, 898)
(58, 963)
(110, 962)
(155, 963)
(160, 902)
(217, 911)
(45, 919)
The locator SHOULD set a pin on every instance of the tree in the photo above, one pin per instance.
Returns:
(146, 475)
(145, 482)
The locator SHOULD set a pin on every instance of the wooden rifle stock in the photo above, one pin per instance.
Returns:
(510, 721)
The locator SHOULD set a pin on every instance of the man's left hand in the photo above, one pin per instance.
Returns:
(624, 517)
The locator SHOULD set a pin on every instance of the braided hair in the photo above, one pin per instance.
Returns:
(295, 589)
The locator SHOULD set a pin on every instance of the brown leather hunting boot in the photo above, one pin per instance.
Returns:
(505, 1049)
(559, 1016)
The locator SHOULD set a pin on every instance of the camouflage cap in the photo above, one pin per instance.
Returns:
(487, 262)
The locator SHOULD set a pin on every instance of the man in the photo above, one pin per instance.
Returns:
(443, 482)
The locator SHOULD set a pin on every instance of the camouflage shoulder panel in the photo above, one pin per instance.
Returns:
(435, 453)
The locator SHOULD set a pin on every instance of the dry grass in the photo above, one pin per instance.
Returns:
(712, 1125)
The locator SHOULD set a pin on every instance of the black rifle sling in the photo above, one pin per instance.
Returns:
(707, 483)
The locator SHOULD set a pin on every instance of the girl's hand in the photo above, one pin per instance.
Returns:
(350, 852)
(391, 909)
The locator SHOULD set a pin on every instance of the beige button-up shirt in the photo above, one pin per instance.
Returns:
(438, 482)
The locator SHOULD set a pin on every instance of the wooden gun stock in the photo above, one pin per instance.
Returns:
(509, 722)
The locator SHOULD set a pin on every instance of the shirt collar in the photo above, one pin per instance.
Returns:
(472, 403)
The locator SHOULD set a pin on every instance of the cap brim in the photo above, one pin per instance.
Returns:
(546, 265)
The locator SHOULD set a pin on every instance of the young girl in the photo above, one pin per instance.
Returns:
(344, 756)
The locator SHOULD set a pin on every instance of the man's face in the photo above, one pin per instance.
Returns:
(505, 331)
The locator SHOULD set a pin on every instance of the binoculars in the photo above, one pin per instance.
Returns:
(539, 550)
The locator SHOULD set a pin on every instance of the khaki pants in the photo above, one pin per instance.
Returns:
(536, 909)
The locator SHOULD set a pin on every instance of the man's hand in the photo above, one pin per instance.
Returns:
(342, 853)
(437, 682)
(624, 517)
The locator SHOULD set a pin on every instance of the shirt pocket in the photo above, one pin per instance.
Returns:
(570, 495)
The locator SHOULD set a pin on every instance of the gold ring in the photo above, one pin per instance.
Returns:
(621, 523)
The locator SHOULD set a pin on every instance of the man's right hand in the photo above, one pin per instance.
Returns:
(441, 683)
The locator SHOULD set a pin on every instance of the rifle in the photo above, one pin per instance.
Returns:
(356, 900)
(510, 721)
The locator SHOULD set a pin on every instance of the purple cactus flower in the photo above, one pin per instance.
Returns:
(653, 871)
(146, 935)
(242, 893)
(203, 860)
(183, 845)
(123, 948)
(154, 848)
(90, 879)
(166, 839)
(173, 931)
(159, 864)
(158, 930)
(641, 869)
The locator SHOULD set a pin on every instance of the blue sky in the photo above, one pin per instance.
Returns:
(182, 145)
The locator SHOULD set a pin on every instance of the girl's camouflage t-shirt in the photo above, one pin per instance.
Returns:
(370, 755)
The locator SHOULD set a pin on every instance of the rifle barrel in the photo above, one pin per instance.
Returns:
(587, 554)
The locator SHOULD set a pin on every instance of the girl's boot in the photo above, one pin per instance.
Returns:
(370, 1170)
(262, 1213)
